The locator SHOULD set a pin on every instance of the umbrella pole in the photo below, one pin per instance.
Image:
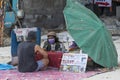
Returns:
(68, 44)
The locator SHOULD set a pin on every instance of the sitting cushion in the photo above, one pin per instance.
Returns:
(54, 58)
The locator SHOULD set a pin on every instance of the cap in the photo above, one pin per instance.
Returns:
(52, 33)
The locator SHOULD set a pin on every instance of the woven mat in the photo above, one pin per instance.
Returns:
(44, 75)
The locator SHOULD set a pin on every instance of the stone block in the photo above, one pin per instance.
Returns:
(118, 11)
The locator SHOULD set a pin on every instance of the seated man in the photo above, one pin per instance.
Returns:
(53, 43)
(26, 55)
(15, 42)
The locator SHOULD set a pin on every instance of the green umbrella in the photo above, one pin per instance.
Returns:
(90, 34)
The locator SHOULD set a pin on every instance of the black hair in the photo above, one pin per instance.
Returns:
(31, 36)
(56, 39)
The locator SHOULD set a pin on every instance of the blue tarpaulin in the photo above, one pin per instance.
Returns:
(6, 67)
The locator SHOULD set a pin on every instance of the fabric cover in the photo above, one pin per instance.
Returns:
(90, 34)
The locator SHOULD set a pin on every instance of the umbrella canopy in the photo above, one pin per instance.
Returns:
(90, 34)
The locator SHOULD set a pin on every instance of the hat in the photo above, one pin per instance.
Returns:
(52, 33)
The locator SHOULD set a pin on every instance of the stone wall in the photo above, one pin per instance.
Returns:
(47, 14)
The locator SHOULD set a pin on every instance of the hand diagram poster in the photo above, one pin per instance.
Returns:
(74, 62)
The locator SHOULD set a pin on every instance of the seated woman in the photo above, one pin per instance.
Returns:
(53, 43)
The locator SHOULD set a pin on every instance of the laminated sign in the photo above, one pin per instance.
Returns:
(74, 62)
(21, 33)
(104, 3)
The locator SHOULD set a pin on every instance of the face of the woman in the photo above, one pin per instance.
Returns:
(51, 39)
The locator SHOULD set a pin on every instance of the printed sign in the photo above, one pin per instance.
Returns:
(74, 62)
(104, 3)
(22, 33)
